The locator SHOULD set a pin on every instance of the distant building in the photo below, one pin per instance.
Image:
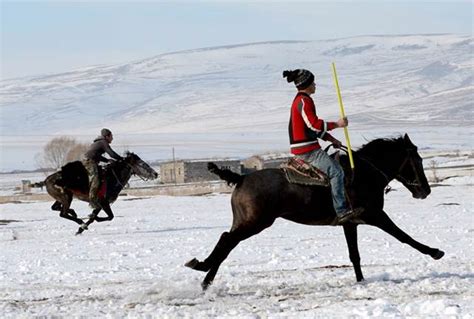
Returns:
(189, 171)
(259, 162)
(26, 186)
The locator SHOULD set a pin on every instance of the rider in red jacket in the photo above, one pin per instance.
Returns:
(305, 128)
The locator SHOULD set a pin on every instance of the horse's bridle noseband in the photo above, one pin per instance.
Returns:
(409, 158)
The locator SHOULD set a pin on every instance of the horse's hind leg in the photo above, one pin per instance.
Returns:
(66, 203)
(384, 222)
(227, 242)
(350, 232)
(56, 206)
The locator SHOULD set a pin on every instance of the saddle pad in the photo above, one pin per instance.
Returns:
(298, 171)
(102, 191)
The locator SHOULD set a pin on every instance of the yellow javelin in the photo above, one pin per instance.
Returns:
(346, 131)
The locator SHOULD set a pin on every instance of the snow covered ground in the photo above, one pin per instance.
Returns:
(232, 101)
(133, 266)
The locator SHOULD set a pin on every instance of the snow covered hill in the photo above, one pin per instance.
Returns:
(386, 81)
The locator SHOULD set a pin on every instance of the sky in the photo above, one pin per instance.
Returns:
(40, 37)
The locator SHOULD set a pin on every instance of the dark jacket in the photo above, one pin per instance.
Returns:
(99, 147)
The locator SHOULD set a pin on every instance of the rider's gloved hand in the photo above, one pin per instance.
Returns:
(336, 143)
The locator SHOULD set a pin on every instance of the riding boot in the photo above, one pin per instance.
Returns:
(346, 216)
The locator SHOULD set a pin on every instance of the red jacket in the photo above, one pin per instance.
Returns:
(305, 127)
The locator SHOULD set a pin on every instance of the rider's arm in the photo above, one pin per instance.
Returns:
(111, 153)
(103, 159)
(308, 112)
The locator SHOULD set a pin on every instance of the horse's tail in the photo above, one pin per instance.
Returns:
(226, 174)
(39, 184)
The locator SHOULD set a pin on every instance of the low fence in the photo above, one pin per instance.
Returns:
(204, 188)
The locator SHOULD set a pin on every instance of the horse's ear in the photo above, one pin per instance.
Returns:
(408, 142)
(406, 138)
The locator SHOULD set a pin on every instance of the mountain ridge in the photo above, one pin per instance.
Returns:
(387, 81)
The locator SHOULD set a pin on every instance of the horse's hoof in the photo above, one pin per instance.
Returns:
(205, 285)
(192, 263)
(80, 230)
(439, 254)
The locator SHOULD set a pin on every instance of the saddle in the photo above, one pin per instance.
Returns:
(298, 171)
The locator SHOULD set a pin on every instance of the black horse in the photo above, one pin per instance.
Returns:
(72, 181)
(261, 197)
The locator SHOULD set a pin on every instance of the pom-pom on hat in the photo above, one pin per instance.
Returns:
(301, 77)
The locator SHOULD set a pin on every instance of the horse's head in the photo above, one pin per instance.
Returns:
(139, 167)
(411, 173)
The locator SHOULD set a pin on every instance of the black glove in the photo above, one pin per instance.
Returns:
(336, 144)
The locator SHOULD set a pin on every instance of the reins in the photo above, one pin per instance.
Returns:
(131, 173)
(116, 177)
(398, 176)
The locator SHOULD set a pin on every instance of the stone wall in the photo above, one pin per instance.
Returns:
(196, 171)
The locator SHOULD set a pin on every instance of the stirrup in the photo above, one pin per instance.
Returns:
(347, 216)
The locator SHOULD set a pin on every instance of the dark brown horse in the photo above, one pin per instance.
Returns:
(261, 197)
(72, 181)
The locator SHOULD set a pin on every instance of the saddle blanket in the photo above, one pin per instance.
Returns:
(298, 171)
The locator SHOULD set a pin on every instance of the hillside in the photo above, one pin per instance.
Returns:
(209, 96)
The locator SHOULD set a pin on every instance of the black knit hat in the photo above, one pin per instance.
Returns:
(302, 78)
(105, 132)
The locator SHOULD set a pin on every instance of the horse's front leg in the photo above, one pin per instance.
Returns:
(384, 222)
(110, 215)
(92, 217)
(350, 232)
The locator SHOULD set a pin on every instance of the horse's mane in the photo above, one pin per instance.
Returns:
(380, 145)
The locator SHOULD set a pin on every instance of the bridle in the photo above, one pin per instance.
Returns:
(133, 171)
(115, 175)
(408, 159)
(402, 179)
(112, 168)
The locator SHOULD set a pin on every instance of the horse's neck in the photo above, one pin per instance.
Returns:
(120, 177)
(380, 170)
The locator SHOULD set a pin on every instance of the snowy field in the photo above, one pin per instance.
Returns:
(133, 266)
(232, 102)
